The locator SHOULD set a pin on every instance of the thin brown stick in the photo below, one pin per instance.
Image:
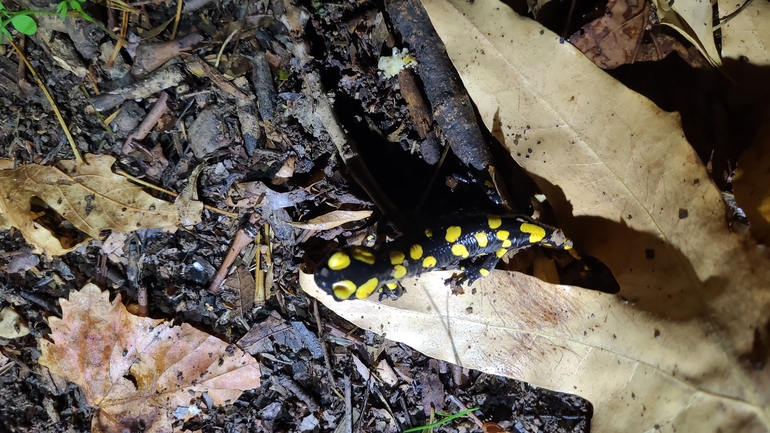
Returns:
(169, 192)
(158, 109)
(243, 237)
(177, 17)
(51, 101)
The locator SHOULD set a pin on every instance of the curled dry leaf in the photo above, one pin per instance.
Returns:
(683, 346)
(12, 324)
(139, 371)
(90, 196)
(333, 219)
(693, 20)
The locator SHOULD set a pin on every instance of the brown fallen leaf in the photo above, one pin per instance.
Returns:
(239, 291)
(684, 345)
(90, 196)
(614, 38)
(620, 37)
(141, 371)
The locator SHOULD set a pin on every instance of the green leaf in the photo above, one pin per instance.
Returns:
(24, 24)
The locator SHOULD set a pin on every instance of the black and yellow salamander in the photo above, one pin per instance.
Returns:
(475, 241)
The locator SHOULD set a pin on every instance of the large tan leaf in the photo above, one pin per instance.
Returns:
(90, 196)
(140, 371)
(684, 345)
(748, 34)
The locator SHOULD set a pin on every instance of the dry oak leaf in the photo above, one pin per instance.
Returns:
(685, 345)
(140, 371)
(90, 196)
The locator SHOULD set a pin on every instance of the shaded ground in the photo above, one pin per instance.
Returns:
(280, 147)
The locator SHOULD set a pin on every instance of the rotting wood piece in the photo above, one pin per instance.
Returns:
(452, 107)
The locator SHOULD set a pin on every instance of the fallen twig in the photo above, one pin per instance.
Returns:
(158, 109)
(243, 237)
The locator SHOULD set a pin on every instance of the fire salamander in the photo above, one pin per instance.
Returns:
(475, 241)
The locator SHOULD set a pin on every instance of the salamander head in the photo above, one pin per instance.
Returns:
(348, 273)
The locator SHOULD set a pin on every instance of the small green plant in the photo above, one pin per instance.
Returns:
(65, 6)
(446, 419)
(23, 23)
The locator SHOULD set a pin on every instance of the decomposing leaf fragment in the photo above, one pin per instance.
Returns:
(625, 34)
(139, 371)
(190, 208)
(12, 324)
(614, 38)
(90, 196)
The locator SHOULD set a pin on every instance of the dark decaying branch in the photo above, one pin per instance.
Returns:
(452, 109)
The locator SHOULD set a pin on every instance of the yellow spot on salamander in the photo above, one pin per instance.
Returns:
(481, 239)
(452, 233)
(429, 262)
(501, 252)
(343, 289)
(415, 251)
(503, 235)
(338, 261)
(396, 257)
(536, 233)
(494, 221)
(483, 272)
(392, 286)
(399, 271)
(489, 184)
(367, 288)
(460, 251)
(507, 244)
(363, 255)
(428, 233)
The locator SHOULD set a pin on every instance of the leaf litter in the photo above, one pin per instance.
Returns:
(281, 173)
